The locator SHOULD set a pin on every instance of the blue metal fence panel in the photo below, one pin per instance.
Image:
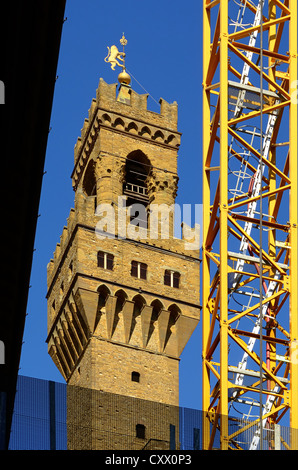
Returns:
(40, 422)
(32, 419)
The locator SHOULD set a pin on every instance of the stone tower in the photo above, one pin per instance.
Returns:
(123, 292)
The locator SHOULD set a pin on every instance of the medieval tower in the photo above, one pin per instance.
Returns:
(123, 292)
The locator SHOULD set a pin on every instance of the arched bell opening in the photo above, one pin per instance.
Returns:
(89, 181)
(135, 189)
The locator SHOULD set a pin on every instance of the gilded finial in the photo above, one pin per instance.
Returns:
(123, 41)
(114, 56)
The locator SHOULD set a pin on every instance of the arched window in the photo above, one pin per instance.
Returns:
(89, 182)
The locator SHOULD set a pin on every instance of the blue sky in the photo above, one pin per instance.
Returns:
(164, 57)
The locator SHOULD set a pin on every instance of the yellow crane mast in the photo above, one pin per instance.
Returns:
(249, 253)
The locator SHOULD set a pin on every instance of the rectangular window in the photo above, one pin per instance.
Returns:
(110, 261)
(141, 431)
(135, 376)
(138, 270)
(167, 278)
(143, 270)
(176, 279)
(171, 278)
(101, 259)
(134, 269)
(105, 260)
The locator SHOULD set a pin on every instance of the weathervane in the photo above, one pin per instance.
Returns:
(114, 56)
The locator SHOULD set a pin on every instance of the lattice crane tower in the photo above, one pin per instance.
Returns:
(249, 259)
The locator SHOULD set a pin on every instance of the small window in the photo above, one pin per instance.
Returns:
(141, 431)
(135, 376)
(139, 270)
(172, 278)
(134, 269)
(105, 260)
(167, 278)
(176, 279)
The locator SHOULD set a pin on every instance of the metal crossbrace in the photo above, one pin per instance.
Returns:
(251, 211)
(255, 192)
(240, 16)
(242, 174)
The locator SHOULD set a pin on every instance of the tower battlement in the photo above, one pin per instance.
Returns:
(132, 118)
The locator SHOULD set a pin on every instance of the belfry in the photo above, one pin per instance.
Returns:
(123, 292)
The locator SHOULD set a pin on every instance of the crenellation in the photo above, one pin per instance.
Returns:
(71, 218)
(139, 102)
(77, 148)
(63, 237)
(106, 98)
(105, 93)
(126, 118)
(169, 111)
(57, 252)
(50, 267)
(92, 109)
(84, 128)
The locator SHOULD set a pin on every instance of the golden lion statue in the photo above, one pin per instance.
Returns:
(113, 56)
